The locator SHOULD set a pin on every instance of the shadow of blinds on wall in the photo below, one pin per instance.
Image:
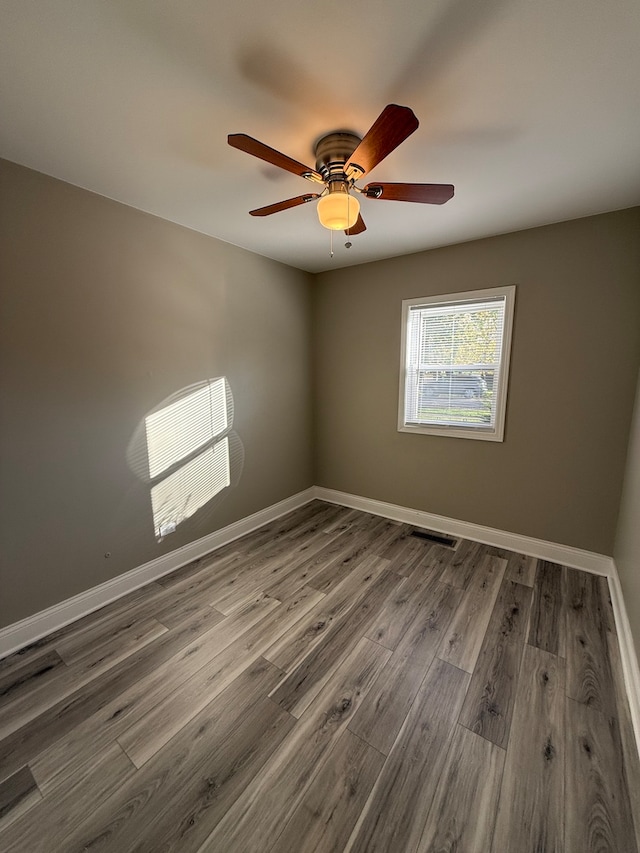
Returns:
(188, 452)
(176, 430)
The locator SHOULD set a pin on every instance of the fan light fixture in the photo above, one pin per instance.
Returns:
(338, 210)
(342, 158)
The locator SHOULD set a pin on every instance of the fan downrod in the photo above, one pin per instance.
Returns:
(332, 152)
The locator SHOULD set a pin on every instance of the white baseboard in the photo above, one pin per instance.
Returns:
(28, 630)
(576, 558)
(588, 561)
(627, 652)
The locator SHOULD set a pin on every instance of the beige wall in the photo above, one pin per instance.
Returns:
(105, 312)
(627, 544)
(576, 348)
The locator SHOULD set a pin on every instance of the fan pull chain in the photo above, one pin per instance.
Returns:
(331, 243)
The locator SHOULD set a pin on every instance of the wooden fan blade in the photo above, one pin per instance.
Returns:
(423, 193)
(358, 228)
(393, 126)
(283, 205)
(258, 149)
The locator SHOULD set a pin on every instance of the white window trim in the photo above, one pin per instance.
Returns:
(495, 433)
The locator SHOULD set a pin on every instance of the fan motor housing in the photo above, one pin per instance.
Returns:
(332, 152)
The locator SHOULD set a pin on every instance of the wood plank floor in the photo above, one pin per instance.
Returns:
(327, 683)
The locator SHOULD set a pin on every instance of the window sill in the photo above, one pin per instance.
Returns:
(453, 432)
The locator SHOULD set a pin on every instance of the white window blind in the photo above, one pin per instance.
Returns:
(454, 363)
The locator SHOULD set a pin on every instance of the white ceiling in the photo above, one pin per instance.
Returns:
(530, 108)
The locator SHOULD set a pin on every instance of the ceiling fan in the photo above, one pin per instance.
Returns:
(342, 158)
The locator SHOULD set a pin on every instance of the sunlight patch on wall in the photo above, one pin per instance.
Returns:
(178, 429)
(186, 450)
(179, 495)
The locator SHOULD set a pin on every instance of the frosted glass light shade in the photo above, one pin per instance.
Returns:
(338, 210)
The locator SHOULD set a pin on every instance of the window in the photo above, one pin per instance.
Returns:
(454, 363)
